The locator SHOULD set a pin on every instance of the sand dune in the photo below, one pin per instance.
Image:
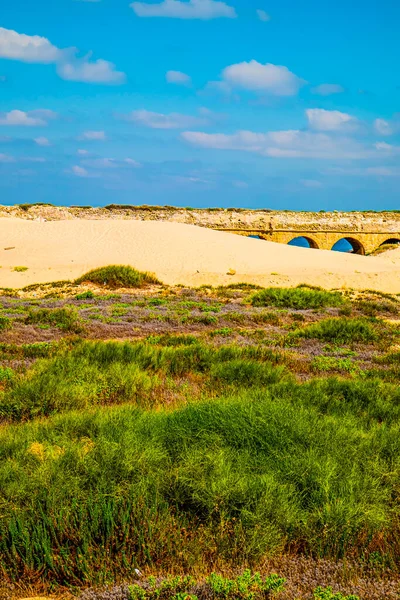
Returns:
(178, 253)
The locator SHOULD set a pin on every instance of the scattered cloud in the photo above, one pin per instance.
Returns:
(42, 141)
(155, 120)
(327, 89)
(284, 144)
(178, 77)
(273, 79)
(133, 163)
(384, 127)
(79, 171)
(263, 15)
(82, 152)
(111, 163)
(84, 71)
(388, 148)
(311, 183)
(383, 171)
(33, 118)
(27, 48)
(5, 158)
(329, 120)
(94, 135)
(240, 184)
(37, 49)
(193, 9)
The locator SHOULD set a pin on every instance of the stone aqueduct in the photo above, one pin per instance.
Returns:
(365, 231)
(362, 242)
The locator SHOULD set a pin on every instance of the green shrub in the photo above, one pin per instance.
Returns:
(340, 331)
(244, 587)
(20, 269)
(331, 363)
(296, 298)
(66, 319)
(116, 276)
(247, 373)
(73, 381)
(6, 374)
(85, 295)
(321, 593)
(167, 589)
(5, 323)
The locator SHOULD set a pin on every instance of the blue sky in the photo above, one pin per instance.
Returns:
(253, 103)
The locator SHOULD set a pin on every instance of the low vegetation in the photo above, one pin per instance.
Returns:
(118, 276)
(298, 298)
(217, 436)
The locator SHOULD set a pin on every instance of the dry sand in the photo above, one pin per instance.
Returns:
(179, 254)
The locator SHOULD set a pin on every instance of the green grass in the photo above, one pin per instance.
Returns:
(296, 298)
(5, 323)
(182, 453)
(116, 477)
(341, 331)
(118, 276)
(66, 319)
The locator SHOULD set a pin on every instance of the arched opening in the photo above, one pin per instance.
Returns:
(303, 242)
(349, 245)
(390, 242)
(255, 237)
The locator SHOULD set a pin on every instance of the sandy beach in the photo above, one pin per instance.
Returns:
(179, 254)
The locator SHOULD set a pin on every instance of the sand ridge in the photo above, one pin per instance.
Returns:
(178, 254)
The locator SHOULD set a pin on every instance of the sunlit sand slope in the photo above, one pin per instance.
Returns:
(178, 253)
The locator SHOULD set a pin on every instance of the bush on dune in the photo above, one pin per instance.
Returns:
(118, 276)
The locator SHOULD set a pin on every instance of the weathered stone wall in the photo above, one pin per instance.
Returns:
(323, 229)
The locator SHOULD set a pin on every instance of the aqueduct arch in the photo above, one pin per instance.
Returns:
(357, 247)
(311, 242)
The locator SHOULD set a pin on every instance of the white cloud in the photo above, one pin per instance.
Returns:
(37, 49)
(42, 141)
(383, 127)
(327, 89)
(94, 135)
(33, 118)
(283, 144)
(110, 163)
(27, 48)
(240, 184)
(84, 71)
(329, 120)
(263, 15)
(311, 183)
(164, 121)
(387, 148)
(273, 79)
(193, 9)
(82, 152)
(383, 171)
(79, 171)
(5, 158)
(178, 77)
(133, 163)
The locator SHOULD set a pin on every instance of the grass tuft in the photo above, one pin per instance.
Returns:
(118, 276)
(299, 298)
